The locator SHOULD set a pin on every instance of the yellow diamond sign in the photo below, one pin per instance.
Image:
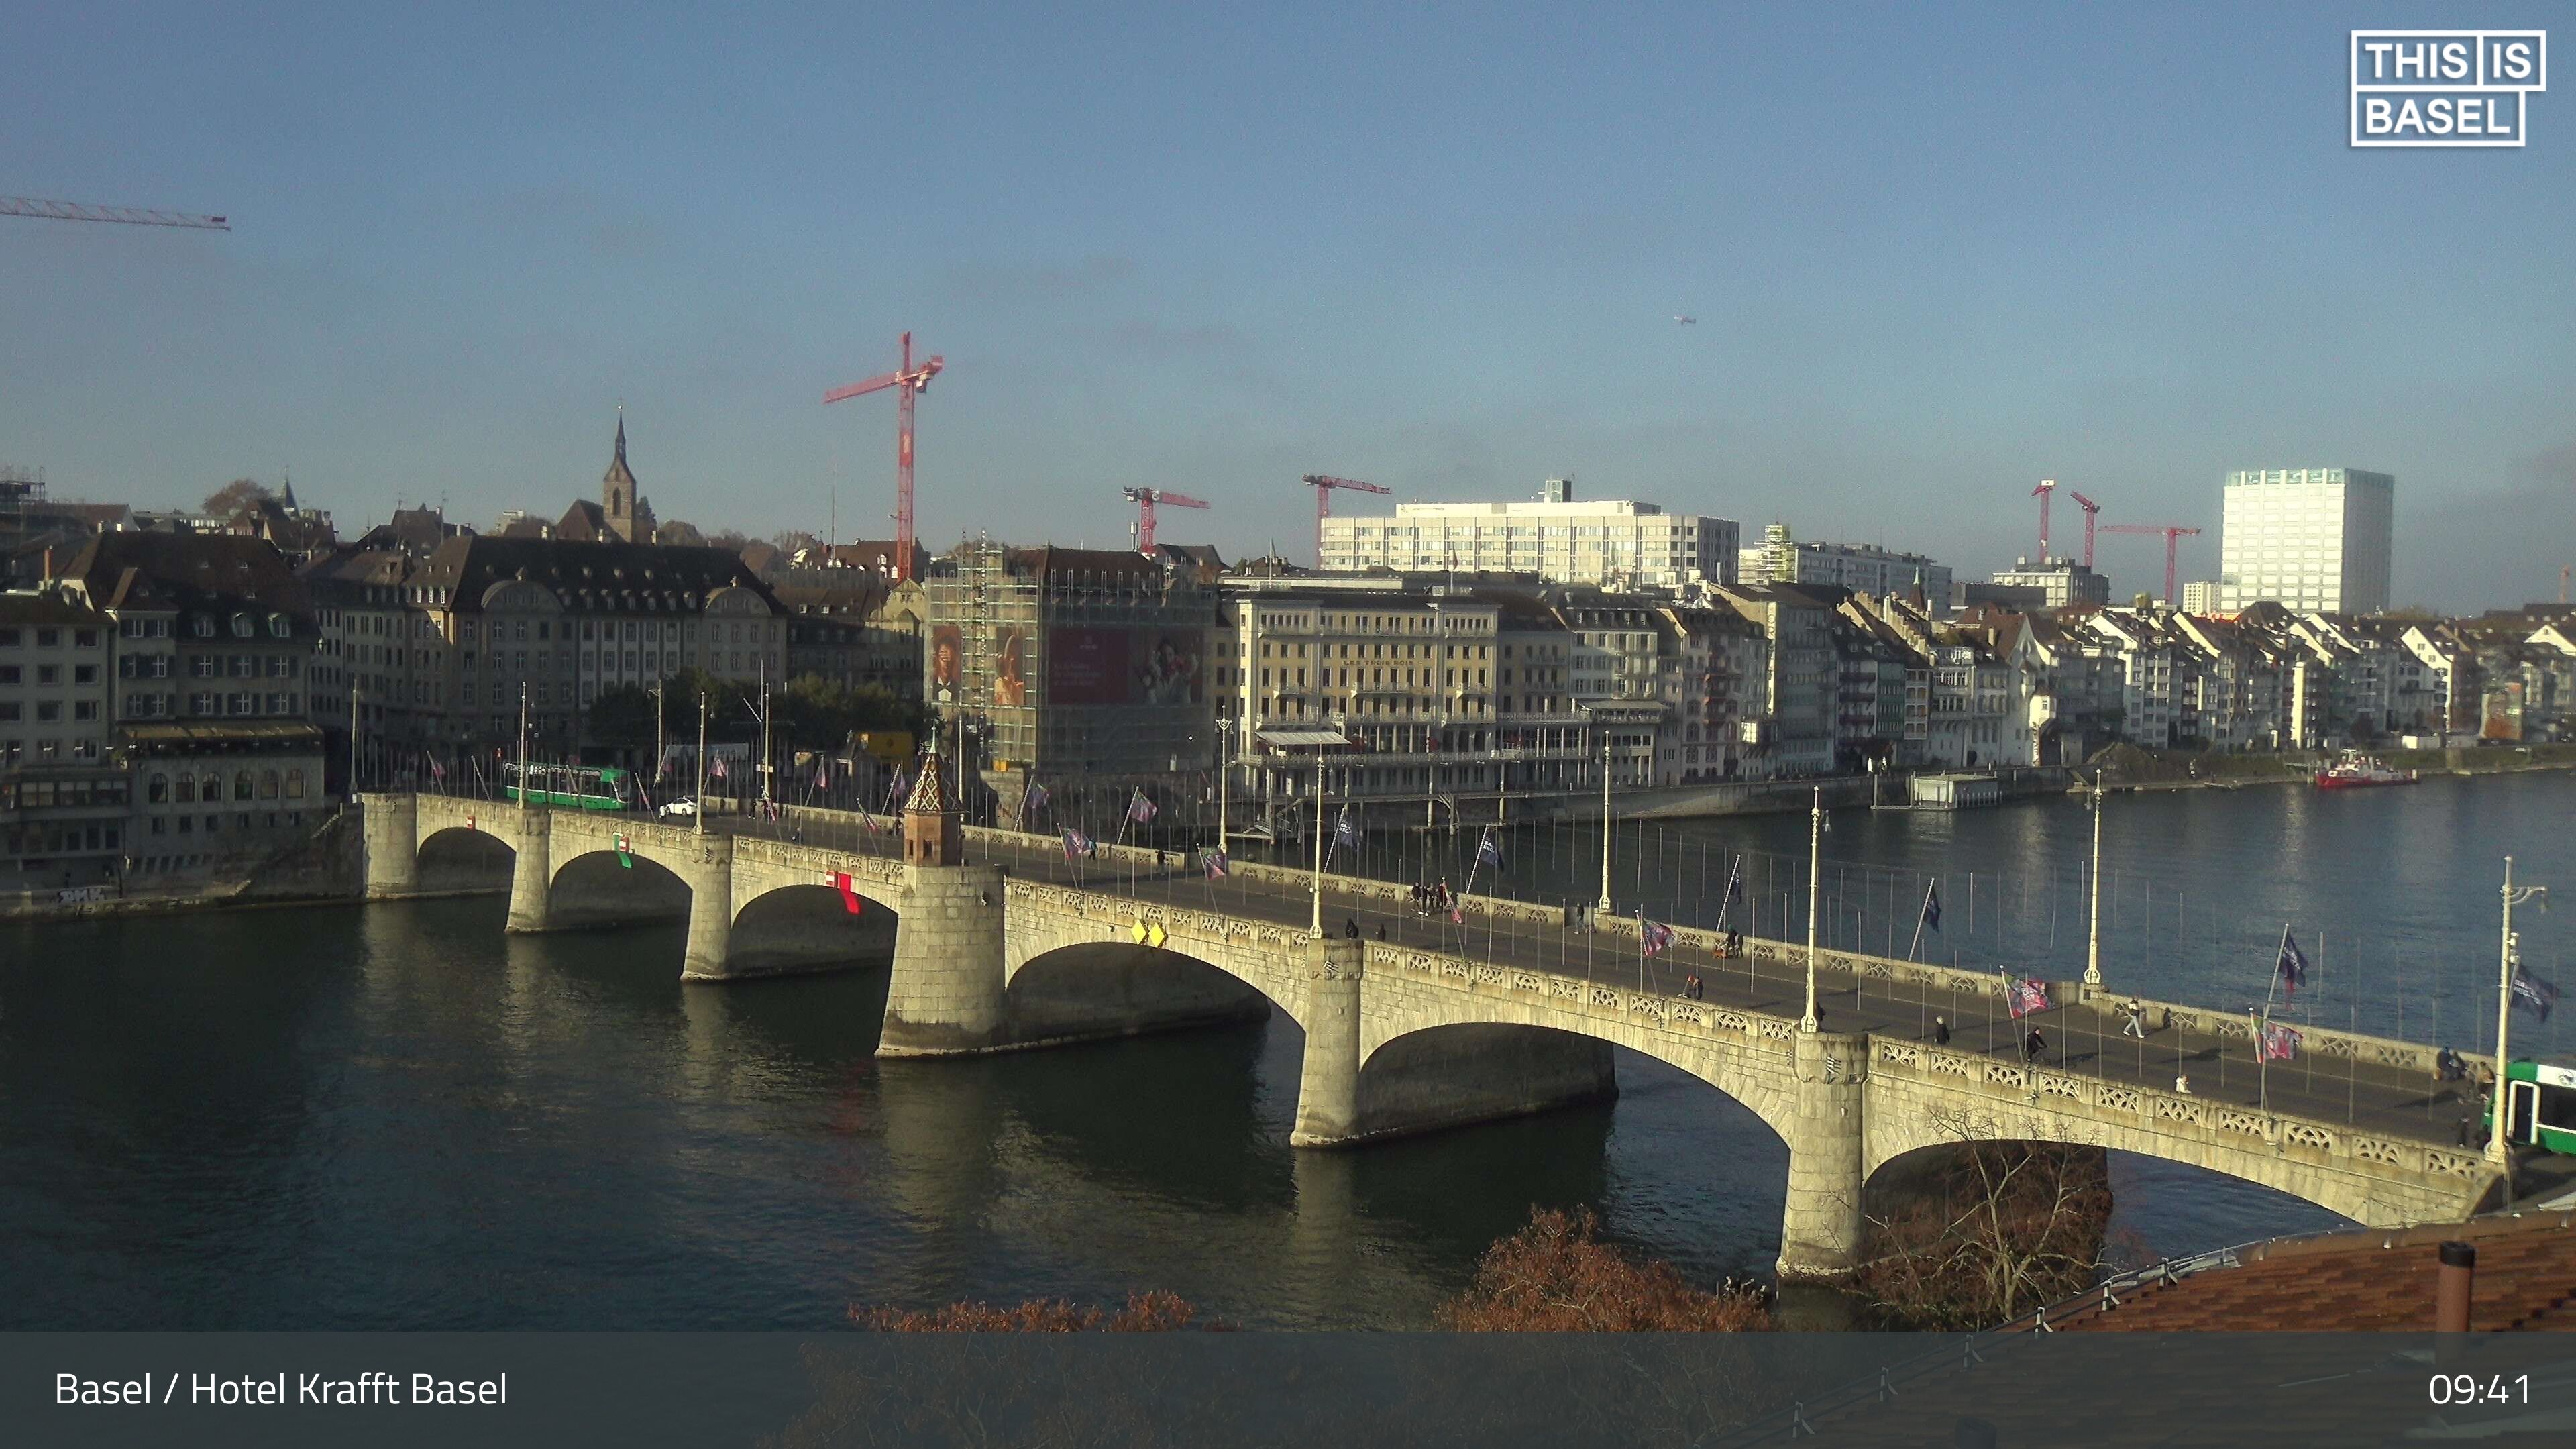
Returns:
(1136, 929)
(1154, 936)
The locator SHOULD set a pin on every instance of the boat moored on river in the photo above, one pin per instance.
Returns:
(2353, 770)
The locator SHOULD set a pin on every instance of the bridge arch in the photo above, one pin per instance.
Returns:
(796, 927)
(1458, 1073)
(1898, 1128)
(1104, 988)
(455, 858)
(1402, 1010)
(595, 888)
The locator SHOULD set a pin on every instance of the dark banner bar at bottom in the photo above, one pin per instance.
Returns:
(2102, 1390)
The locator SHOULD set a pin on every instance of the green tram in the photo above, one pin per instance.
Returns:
(2540, 1106)
(578, 787)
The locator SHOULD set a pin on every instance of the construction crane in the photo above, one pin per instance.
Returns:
(1145, 499)
(127, 215)
(1324, 484)
(2172, 532)
(2046, 489)
(2092, 511)
(909, 382)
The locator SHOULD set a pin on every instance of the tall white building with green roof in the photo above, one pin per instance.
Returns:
(2308, 539)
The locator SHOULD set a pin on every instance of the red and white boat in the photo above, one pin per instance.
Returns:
(2354, 770)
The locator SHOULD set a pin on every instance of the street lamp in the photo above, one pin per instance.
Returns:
(2093, 948)
(1594, 714)
(2505, 962)
(1815, 874)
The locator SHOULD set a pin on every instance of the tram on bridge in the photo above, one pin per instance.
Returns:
(2540, 1106)
(575, 787)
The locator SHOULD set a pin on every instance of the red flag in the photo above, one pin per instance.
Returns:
(849, 895)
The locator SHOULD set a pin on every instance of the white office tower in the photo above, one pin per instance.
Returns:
(2307, 538)
(1617, 545)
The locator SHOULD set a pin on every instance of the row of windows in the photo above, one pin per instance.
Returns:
(47, 711)
(49, 674)
(48, 638)
(50, 794)
(211, 785)
(48, 750)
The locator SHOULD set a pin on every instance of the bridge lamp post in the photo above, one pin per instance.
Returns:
(1815, 874)
(523, 746)
(1603, 905)
(2505, 961)
(2093, 947)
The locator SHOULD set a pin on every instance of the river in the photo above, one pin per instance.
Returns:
(393, 1116)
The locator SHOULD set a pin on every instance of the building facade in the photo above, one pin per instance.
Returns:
(1862, 568)
(2062, 583)
(2308, 539)
(63, 789)
(1611, 545)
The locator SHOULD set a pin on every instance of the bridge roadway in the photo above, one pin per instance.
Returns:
(1431, 1026)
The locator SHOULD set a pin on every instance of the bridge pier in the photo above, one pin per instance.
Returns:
(1328, 1084)
(944, 993)
(709, 874)
(1820, 1229)
(392, 839)
(532, 874)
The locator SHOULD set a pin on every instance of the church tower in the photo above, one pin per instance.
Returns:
(624, 512)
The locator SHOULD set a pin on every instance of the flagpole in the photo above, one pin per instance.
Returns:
(1914, 948)
(2504, 1010)
(2093, 946)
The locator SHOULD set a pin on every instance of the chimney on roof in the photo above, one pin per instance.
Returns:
(2451, 1290)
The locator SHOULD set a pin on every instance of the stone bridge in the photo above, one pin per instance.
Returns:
(1399, 1038)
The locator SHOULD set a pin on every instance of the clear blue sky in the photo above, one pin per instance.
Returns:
(1935, 254)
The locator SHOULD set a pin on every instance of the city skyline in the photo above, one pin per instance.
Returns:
(1217, 259)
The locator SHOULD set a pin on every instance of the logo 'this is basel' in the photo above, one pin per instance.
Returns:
(2446, 88)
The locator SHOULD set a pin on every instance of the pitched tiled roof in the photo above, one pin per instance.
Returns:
(2367, 1280)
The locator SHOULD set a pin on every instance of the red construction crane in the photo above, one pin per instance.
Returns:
(908, 382)
(1145, 499)
(2046, 489)
(2172, 533)
(1324, 484)
(2092, 510)
(128, 215)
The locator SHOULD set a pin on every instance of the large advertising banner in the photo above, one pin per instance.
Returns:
(1086, 666)
(1122, 666)
(2504, 712)
(947, 660)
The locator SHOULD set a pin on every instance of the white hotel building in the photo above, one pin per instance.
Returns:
(1616, 545)
(2310, 539)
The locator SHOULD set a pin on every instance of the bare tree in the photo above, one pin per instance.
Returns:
(2007, 1226)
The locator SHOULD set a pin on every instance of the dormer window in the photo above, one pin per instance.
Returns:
(282, 627)
(205, 627)
(242, 626)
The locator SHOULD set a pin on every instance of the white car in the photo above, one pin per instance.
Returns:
(682, 808)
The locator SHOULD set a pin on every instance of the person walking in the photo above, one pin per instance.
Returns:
(2033, 1045)
(1690, 986)
(1940, 1031)
(2136, 1025)
(1351, 928)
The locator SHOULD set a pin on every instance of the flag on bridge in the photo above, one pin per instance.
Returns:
(624, 857)
(1034, 800)
(1077, 845)
(1140, 809)
(822, 776)
(1489, 851)
(717, 770)
(2294, 963)
(2025, 997)
(1346, 831)
(1655, 934)
(849, 892)
(2531, 991)
(2277, 1043)
(1214, 859)
(437, 771)
(1932, 905)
